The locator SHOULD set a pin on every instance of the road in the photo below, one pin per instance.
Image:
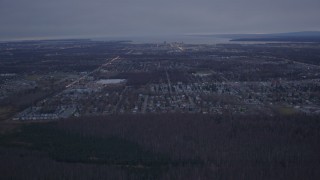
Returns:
(116, 108)
(145, 104)
(169, 83)
(96, 70)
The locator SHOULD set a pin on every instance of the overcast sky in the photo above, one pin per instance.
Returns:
(92, 18)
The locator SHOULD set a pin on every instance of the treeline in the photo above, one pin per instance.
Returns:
(168, 146)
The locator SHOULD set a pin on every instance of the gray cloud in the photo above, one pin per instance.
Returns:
(88, 18)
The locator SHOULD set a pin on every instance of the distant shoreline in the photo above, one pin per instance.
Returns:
(281, 39)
